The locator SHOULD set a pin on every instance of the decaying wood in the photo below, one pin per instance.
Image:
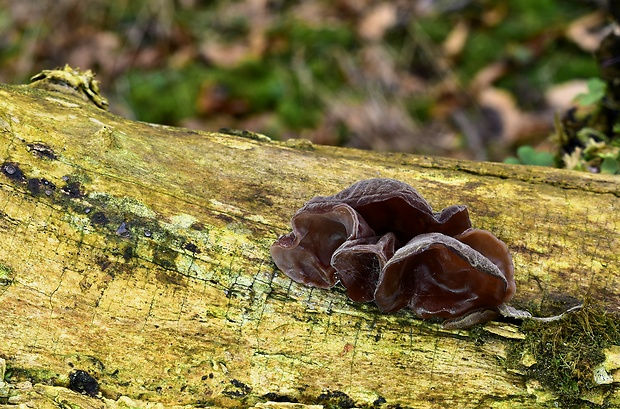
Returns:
(139, 253)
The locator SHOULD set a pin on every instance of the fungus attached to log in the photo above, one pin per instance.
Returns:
(389, 205)
(318, 230)
(384, 243)
(435, 275)
(359, 262)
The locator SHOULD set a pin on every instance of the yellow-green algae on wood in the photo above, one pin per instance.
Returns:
(145, 248)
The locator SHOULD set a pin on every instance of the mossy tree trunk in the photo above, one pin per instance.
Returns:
(139, 253)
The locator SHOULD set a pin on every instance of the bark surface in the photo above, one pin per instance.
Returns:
(140, 254)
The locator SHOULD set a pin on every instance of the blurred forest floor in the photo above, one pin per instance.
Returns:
(461, 78)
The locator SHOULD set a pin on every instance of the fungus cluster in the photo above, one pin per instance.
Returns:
(382, 241)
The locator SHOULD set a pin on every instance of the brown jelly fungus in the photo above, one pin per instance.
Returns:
(382, 241)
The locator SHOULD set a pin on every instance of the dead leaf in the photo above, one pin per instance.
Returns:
(378, 66)
(224, 55)
(487, 76)
(588, 31)
(374, 123)
(377, 21)
(561, 97)
(97, 50)
(455, 41)
(215, 98)
(517, 126)
(503, 103)
(495, 14)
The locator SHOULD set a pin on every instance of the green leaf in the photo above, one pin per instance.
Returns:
(544, 159)
(529, 156)
(526, 153)
(511, 160)
(596, 92)
(597, 86)
(610, 166)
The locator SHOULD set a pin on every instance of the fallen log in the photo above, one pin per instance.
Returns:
(139, 254)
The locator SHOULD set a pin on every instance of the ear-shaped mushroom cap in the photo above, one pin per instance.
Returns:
(359, 262)
(305, 254)
(439, 276)
(485, 243)
(389, 205)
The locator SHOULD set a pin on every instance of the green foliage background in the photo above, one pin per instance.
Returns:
(152, 62)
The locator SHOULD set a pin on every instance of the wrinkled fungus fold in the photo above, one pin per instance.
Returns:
(359, 262)
(382, 241)
(389, 205)
(305, 254)
(435, 275)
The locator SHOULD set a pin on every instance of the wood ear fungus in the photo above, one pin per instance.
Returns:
(359, 262)
(382, 241)
(318, 231)
(389, 205)
(436, 275)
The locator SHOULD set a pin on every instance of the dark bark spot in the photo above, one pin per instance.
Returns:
(41, 150)
(13, 172)
(80, 381)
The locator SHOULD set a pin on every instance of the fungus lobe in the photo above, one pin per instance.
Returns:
(305, 254)
(382, 241)
(389, 205)
(435, 275)
(359, 262)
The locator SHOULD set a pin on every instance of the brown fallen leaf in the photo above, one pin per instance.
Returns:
(224, 55)
(455, 41)
(517, 126)
(561, 97)
(377, 21)
(588, 31)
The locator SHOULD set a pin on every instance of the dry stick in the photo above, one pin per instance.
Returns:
(511, 312)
